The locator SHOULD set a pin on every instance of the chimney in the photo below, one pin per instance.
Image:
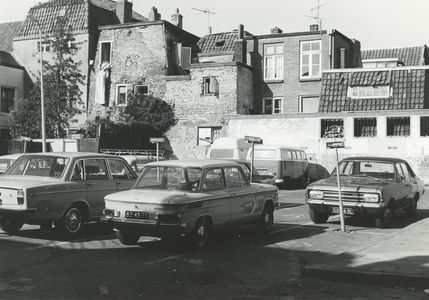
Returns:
(154, 15)
(124, 11)
(314, 27)
(177, 19)
(276, 30)
(342, 58)
(240, 49)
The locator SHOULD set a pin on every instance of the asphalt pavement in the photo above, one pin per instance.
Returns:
(395, 259)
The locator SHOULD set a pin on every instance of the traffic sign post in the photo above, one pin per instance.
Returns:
(253, 140)
(157, 140)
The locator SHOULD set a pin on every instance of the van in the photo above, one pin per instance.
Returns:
(287, 164)
(228, 148)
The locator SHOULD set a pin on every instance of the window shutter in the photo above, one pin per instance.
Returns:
(186, 58)
(214, 85)
(178, 54)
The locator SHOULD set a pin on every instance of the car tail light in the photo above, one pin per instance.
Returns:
(111, 213)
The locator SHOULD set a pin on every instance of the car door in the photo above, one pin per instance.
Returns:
(122, 175)
(403, 188)
(243, 201)
(98, 184)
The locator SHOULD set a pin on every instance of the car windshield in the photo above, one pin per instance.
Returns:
(39, 166)
(170, 178)
(375, 169)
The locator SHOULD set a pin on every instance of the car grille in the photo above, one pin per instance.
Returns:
(345, 196)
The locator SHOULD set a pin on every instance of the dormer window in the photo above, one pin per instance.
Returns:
(369, 91)
(382, 63)
(220, 43)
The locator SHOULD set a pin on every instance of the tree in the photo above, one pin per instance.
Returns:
(62, 94)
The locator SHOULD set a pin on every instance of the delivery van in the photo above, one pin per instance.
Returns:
(228, 148)
(287, 164)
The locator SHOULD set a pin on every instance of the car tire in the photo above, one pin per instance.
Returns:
(266, 220)
(412, 209)
(10, 226)
(385, 219)
(201, 232)
(71, 222)
(318, 217)
(128, 238)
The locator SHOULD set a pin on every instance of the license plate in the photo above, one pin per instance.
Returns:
(136, 215)
(346, 211)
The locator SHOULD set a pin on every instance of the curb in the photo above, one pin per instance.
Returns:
(327, 272)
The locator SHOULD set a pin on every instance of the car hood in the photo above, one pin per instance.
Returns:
(157, 196)
(349, 183)
(19, 182)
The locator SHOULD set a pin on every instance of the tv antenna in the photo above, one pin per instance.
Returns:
(317, 17)
(207, 12)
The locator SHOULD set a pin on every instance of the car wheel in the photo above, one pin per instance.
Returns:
(266, 220)
(385, 219)
(10, 226)
(71, 222)
(412, 209)
(318, 217)
(200, 234)
(128, 238)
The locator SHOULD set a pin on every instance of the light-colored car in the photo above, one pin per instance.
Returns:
(7, 160)
(67, 189)
(137, 162)
(371, 186)
(191, 198)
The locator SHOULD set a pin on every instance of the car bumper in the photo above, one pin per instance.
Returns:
(147, 228)
(359, 208)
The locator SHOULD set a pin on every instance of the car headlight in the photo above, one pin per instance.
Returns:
(371, 198)
(315, 194)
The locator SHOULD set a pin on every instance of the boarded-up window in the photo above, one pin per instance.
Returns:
(398, 126)
(365, 127)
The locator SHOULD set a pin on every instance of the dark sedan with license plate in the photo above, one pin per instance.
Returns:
(372, 186)
(190, 198)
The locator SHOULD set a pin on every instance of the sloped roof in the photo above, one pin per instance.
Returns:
(410, 56)
(7, 59)
(8, 31)
(83, 15)
(407, 85)
(218, 42)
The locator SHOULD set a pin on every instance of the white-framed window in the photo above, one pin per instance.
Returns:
(369, 91)
(141, 90)
(121, 94)
(206, 135)
(311, 59)
(273, 106)
(273, 61)
(210, 86)
(105, 52)
(46, 47)
(309, 104)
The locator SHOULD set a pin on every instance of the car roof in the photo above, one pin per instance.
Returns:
(276, 147)
(11, 156)
(374, 158)
(197, 163)
(72, 154)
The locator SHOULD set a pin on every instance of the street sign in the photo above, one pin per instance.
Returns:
(253, 139)
(333, 145)
(157, 139)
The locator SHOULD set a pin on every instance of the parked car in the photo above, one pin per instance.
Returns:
(189, 197)
(65, 188)
(257, 178)
(136, 158)
(370, 186)
(7, 160)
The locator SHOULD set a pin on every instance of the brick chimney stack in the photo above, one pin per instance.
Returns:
(124, 11)
(177, 19)
(276, 30)
(240, 48)
(154, 15)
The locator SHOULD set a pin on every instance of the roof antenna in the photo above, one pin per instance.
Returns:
(317, 17)
(207, 12)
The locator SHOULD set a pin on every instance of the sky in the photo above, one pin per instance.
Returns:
(375, 23)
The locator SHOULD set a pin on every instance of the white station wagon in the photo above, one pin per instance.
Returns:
(191, 198)
(66, 189)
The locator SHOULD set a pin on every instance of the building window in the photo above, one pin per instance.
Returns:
(311, 55)
(210, 86)
(424, 126)
(105, 52)
(369, 91)
(387, 63)
(46, 47)
(331, 128)
(398, 126)
(309, 104)
(206, 135)
(365, 127)
(7, 96)
(273, 106)
(121, 94)
(141, 90)
(273, 61)
(5, 134)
